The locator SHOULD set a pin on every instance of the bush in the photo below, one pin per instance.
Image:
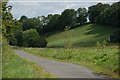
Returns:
(31, 38)
(39, 42)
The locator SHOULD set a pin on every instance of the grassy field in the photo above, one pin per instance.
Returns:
(85, 51)
(100, 57)
(85, 35)
(103, 61)
(15, 67)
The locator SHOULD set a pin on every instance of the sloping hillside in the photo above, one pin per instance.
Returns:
(85, 35)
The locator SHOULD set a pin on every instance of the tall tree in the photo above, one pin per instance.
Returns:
(67, 18)
(110, 16)
(23, 18)
(9, 25)
(52, 24)
(44, 20)
(32, 23)
(7, 19)
(95, 10)
(81, 15)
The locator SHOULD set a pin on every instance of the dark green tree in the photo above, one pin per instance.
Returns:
(95, 10)
(81, 15)
(52, 24)
(44, 20)
(23, 18)
(16, 34)
(9, 25)
(67, 18)
(110, 16)
(32, 23)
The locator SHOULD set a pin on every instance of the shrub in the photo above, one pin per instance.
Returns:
(31, 38)
(39, 42)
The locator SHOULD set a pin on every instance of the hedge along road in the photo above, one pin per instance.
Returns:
(60, 69)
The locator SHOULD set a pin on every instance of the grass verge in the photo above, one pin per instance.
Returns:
(14, 66)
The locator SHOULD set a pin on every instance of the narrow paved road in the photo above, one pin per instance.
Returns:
(60, 69)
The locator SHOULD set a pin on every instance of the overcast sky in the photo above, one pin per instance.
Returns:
(34, 8)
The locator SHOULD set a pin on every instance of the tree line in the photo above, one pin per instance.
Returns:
(31, 32)
(55, 22)
(105, 14)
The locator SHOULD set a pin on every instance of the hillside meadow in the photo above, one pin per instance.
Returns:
(88, 49)
(82, 36)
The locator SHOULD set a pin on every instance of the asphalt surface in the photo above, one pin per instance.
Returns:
(60, 69)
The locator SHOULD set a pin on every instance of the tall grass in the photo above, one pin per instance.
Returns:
(15, 67)
(105, 62)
